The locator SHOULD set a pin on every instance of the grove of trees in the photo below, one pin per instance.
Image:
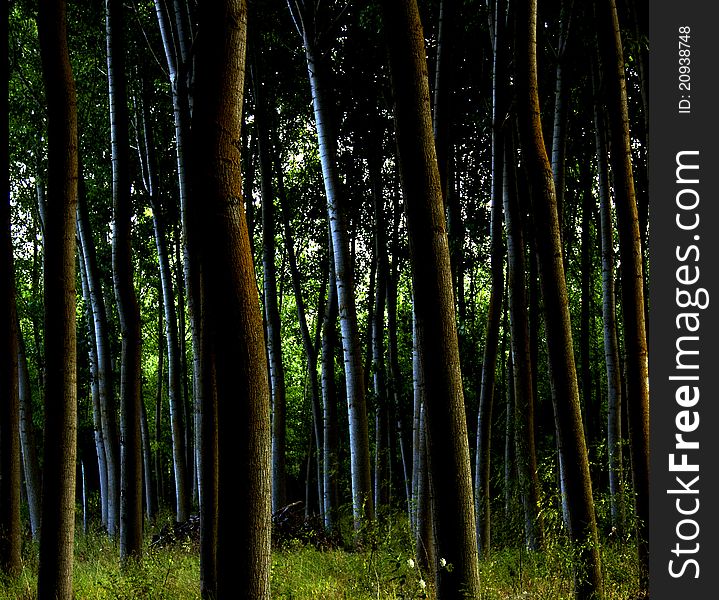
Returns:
(385, 260)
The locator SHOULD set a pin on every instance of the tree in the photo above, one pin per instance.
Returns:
(308, 20)
(563, 373)
(58, 494)
(9, 399)
(632, 276)
(127, 307)
(233, 338)
(434, 305)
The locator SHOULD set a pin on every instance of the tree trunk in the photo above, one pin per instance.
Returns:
(434, 305)
(494, 311)
(263, 125)
(147, 467)
(54, 578)
(362, 501)
(94, 384)
(329, 400)
(10, 541)
(127, 307)
(563, 373)
(523, 365)
(630, 253)
(232, 333)
(30, 463)
(609, 316)
(108, 412)
(422, 490)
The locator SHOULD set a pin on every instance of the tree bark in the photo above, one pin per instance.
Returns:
(10, 541)
(232, 333)
(563, 373)
(523, 365)
(362, 501)
(127, 307)
(494, 311)
(60, 443)
(434, 305)
(609, 316)
(630, 253)
(263, 127)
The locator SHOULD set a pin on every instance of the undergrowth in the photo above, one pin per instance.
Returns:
(383, 566)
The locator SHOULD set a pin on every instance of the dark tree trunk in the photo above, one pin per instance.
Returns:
(263, 127)
(494, 311)
(434, 305)
(609, 316)
(54, 578)
(10, 541)
(563, 373)
(233, 349)
(523, 366)
(630, 253)
(127, 307)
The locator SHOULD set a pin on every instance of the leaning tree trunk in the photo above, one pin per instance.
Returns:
(54, 580)
(105, 386)
(447, 442)
(563, 373)
(94, 384)
(362, 501)
(630, 253)
(233, 339)
(128, 309)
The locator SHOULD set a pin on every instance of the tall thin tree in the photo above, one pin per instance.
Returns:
(54, 578)
(448, 446)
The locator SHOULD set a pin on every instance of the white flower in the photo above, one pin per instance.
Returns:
(410, 562)
(442, 562)
(422, 584)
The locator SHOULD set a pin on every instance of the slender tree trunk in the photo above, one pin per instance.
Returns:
(27, 440)
(630, 253)
(494, 311)
(159, 469)
(311, 347)
(127, 307)
(424, 529)
(523, 365)
(609, 316)
(10, 479)
(181, 70)
(263, 125)
(561, 92)
(60, 442)
(94, 385)
(233, 338)
(147, 467)
(434, 305)
(329, 400)
(563, 373)
(108, 412)
(362, 501)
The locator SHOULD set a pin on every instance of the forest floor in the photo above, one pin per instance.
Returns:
(389, 571)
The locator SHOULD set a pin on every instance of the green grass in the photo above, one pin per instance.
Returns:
(301, 572)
